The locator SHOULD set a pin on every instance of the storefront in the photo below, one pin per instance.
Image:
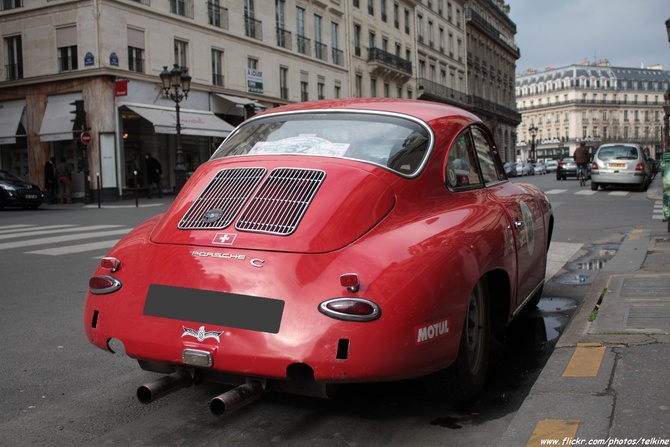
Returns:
(152, 129)
(13, 143)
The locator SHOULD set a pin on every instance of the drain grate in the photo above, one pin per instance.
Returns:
(644, 288)
(649, 317)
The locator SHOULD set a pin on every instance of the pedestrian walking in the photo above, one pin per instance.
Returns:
(64, 177)
(154, 175)
(50, 180)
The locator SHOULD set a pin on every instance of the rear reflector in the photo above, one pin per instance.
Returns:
(109, 263)
(350, 281)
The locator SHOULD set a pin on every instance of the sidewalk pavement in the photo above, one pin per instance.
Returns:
(608, 381)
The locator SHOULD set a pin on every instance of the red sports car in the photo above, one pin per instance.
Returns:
(325, 243)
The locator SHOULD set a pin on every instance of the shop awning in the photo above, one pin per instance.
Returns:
(193, 122)
(237, 100)
(10, 117)
(58, 118)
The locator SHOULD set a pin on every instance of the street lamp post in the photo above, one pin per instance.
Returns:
(176, 85)
(532, 130)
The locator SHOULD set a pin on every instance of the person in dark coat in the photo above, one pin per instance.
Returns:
(50, 180)
(64, 177)
(154, 175)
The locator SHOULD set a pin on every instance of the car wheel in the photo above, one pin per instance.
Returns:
(594, 186)
(558, 177)
(464, 380)
(642, 187)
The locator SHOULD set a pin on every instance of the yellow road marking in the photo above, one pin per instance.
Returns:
(552, 429)
(585, 361)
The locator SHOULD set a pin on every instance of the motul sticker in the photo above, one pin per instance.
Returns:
(432, 331)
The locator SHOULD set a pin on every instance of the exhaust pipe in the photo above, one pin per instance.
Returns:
(152, 391)
(232, 400)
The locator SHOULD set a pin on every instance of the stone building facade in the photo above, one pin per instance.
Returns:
(243, 56)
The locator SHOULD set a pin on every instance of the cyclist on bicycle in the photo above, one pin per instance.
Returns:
(582, 160)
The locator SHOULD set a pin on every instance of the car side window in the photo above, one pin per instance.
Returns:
(462, 167)
(488, 159)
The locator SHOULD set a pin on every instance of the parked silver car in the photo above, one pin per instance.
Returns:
(621, 164)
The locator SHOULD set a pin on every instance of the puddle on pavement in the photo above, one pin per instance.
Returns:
(586, 268)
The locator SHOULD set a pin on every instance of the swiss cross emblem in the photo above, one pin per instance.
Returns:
(224, 239)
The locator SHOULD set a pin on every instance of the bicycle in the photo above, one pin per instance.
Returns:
(581, 175)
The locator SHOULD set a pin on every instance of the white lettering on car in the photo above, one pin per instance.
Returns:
(432, 331)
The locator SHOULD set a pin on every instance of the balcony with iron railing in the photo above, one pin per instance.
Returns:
(284, 38)
(136, 64)
(304, 45)
(338, 57)
(253, 28)
(218, 15)
(321, 51)
(14, 71)
(217, 79)
(387, 64)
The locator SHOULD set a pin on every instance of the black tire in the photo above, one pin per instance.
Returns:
(464, 380)
(594, 186)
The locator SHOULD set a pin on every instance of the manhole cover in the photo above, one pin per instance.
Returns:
(657, 288)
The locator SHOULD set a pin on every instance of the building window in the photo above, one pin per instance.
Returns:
(338, 92)
(252, 27)
(217, 67)
(66, 42)
(396, 15)
(320, 90)
(320, 50)
(217, 15)
(304, 91)
(407, 19)
(11, 4)
(303, 42)
(357, 40)
(182, 8)
(338, 58)
(135, 50)
(136, 59)
(373, 87)
(371, 7)
(14, 58)
(383, 9)
(180, 53)
(359, 86)
(283, 82)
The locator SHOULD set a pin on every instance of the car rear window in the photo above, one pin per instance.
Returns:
(618, 153)
(390, 141)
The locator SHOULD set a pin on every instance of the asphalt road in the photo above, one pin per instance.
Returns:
(57, 389)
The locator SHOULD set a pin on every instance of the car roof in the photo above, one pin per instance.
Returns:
(424, 110)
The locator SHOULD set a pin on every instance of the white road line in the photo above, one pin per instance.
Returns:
(618, 193)
(75, 248)
(586, 192)
(64, 238)
(17, 228)
(43, 231)
(555, 191)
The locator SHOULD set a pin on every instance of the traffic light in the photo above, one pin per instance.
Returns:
(79, 115)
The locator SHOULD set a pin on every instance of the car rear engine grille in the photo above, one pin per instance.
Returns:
(281, 201)
(222, 199)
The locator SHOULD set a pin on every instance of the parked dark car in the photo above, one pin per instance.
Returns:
(568, 168)
(510, 169)
(14, 191)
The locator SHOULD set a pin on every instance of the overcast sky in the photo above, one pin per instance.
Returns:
(558, 33)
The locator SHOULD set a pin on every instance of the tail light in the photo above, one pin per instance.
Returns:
(350, 309)
(639, 167)
(594, 166)
(103, 284)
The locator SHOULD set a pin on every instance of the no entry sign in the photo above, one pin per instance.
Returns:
(85, 137)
